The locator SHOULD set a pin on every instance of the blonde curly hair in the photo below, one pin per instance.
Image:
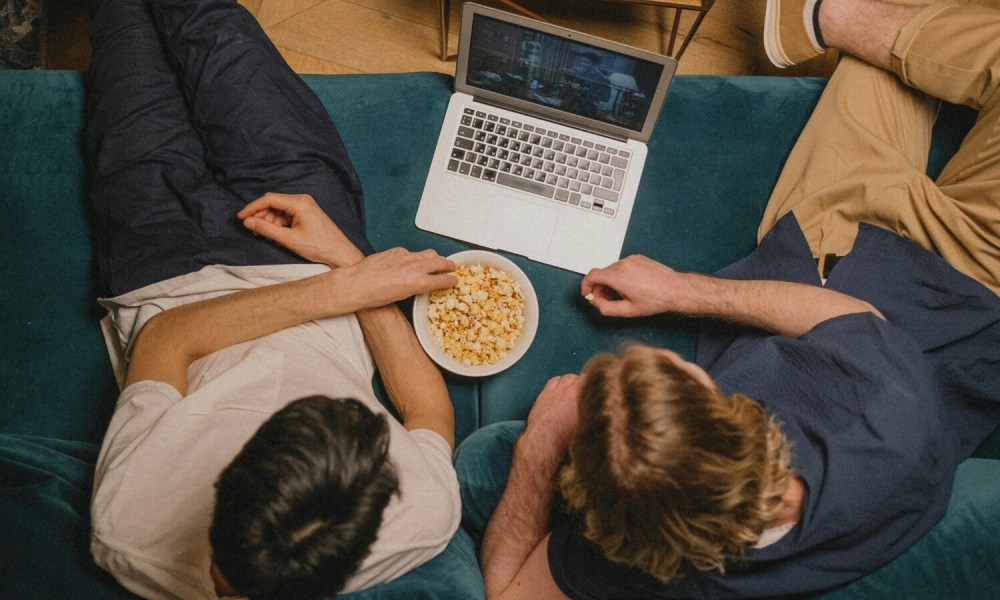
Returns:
(667, 471)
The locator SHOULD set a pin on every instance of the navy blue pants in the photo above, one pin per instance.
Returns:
(191, 114)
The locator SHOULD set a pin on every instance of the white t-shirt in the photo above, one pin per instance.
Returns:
(154, 484)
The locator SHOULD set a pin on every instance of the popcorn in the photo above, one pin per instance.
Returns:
(477, 321)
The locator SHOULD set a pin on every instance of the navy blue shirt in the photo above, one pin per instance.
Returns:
(879, 414)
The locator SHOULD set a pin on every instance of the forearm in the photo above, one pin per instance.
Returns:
(413, 382)
(521, 519)
(781, 307)
(173, 339)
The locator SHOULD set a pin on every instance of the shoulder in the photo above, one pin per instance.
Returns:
(421, 519)
(147, 521)
(428, 484)
(156, 577)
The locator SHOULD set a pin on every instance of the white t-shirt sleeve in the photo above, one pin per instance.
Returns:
(418, 523)
(139, 407)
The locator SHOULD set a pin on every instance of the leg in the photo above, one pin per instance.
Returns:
(863, 155)
(151, 191)
(482, 462)
(263, 127)
(967, 234)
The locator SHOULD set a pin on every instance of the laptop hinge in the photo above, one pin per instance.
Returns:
(562, 122)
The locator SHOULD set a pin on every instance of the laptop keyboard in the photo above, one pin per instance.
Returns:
(557, 166)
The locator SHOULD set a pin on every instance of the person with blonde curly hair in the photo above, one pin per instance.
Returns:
(844, 368)
(655, 439)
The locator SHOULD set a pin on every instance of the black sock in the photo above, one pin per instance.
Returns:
(819, 34)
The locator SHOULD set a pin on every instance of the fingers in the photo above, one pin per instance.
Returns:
(440, 270)
(289, 203)
(434, 261)
(264, 228)
(442, 281)
(560, 382)
(599, 282)
(596, 290)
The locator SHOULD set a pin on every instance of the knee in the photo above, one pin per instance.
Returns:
(482, 462)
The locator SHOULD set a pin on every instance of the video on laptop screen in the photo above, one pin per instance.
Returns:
(548, 70)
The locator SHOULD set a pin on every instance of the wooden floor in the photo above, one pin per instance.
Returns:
(384, 36)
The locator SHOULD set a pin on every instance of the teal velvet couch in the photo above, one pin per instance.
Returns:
(714, 157)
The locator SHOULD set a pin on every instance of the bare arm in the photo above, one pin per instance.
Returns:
(173, 339)
(514, 558)
(414, 384)
(639, 286)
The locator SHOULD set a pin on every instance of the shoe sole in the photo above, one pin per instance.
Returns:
(772, 45)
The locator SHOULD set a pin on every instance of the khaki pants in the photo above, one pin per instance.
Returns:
(863, 153)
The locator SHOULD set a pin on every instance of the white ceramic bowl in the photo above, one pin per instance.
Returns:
(422, 325)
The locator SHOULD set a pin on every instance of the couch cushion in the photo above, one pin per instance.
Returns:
(54, 371)
(45, 489)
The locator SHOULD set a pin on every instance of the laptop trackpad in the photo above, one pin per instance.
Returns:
(521, 227)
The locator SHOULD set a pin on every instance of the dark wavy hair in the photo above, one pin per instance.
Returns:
(299, 507)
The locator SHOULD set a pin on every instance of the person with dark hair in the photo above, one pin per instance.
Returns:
(845, 368)
(283, 541)
(247, 314)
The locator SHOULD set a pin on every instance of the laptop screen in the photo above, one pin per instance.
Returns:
(559, 73)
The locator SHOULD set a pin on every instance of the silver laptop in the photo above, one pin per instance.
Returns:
(543, 142)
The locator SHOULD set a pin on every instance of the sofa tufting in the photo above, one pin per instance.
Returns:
(713, 159)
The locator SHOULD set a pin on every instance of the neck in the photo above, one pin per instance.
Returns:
(791, 502)
(222, 587)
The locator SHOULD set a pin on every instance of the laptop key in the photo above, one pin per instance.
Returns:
(526, 185)
(489, 175)
(607, 195)
(453, 165)
(464, 168)
(464, 143)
